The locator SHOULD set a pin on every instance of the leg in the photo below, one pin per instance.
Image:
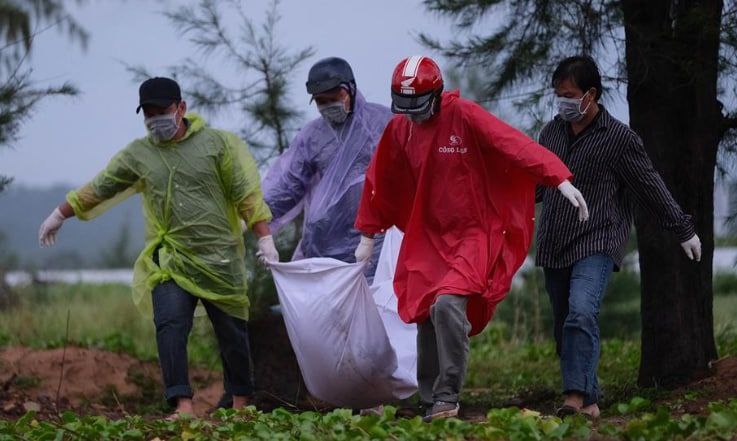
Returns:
(173, 311)
(235, 351)
(557, 284)
(427, 361)
(451, 329)
(580, 349)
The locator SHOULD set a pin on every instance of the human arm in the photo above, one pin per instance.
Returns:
(110, 186)
(636, 171)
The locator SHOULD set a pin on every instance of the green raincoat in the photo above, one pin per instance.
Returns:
(195, 191)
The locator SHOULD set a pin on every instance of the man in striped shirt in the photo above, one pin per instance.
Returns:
(611, 169)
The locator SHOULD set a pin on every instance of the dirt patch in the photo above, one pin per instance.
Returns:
(114, 384)
(721, 385)
(92, 381)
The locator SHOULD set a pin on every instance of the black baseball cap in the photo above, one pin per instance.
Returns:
(159, 92)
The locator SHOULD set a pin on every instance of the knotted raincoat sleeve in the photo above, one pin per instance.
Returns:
(118, 181)
(242, 181)
(389, 189)
(288, 180)
(516, 147)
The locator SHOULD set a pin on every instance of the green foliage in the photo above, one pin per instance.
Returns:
(501, 424)
(101, 316)
(725, 284)
(526, 312)
(18, 98)
(8, 259)
(254, 53)
(636, 405)
(119, 254)
(19, 24)
(502, 371)
(726, 241)
(524, 40)
(720, 422)
(26, 381)
(518, 43)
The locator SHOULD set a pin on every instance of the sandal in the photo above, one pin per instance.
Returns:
(567, 410)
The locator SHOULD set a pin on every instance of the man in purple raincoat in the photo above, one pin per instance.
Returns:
(322, 172)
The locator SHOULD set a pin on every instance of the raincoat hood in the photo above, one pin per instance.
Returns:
(321, 174)
(461, 186)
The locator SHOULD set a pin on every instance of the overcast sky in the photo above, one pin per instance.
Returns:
(70, 139)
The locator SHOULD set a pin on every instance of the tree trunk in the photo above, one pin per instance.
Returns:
(671, 53)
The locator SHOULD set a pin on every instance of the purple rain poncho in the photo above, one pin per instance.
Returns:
(322, 173)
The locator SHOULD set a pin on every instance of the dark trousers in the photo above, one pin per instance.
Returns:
(173, 314)
(442, 350)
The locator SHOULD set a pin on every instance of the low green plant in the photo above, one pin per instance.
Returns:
(718, 422)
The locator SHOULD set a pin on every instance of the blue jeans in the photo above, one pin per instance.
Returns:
(173, 312)
(575, 294)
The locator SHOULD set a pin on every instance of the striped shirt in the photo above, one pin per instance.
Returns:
(611, 169)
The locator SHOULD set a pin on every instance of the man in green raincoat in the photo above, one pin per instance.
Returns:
(197, 184)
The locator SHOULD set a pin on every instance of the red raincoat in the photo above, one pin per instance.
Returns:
(462, 188)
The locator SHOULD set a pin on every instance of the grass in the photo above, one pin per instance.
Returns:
(100, 316)
(719, 422)
(513, 361)
(503, 373)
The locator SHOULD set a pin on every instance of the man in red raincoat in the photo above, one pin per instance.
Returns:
(460, 184)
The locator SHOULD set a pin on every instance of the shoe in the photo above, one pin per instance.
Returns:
(442, 409)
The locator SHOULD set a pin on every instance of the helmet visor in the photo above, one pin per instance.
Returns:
(411, 104)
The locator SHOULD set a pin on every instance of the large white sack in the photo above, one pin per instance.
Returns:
(352, 347)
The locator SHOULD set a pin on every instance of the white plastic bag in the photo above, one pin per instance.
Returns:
(352, 347)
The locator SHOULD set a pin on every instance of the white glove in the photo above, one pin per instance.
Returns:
(365, 249)
(49, 228)
(267, 252)
(692, 247)
(575, 198)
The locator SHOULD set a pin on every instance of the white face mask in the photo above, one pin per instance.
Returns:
(334, 113)
(570, 108)
(162, 127)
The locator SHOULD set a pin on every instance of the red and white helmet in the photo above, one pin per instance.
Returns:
(416, 80)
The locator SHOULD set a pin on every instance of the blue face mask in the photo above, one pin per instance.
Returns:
(569, 109)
